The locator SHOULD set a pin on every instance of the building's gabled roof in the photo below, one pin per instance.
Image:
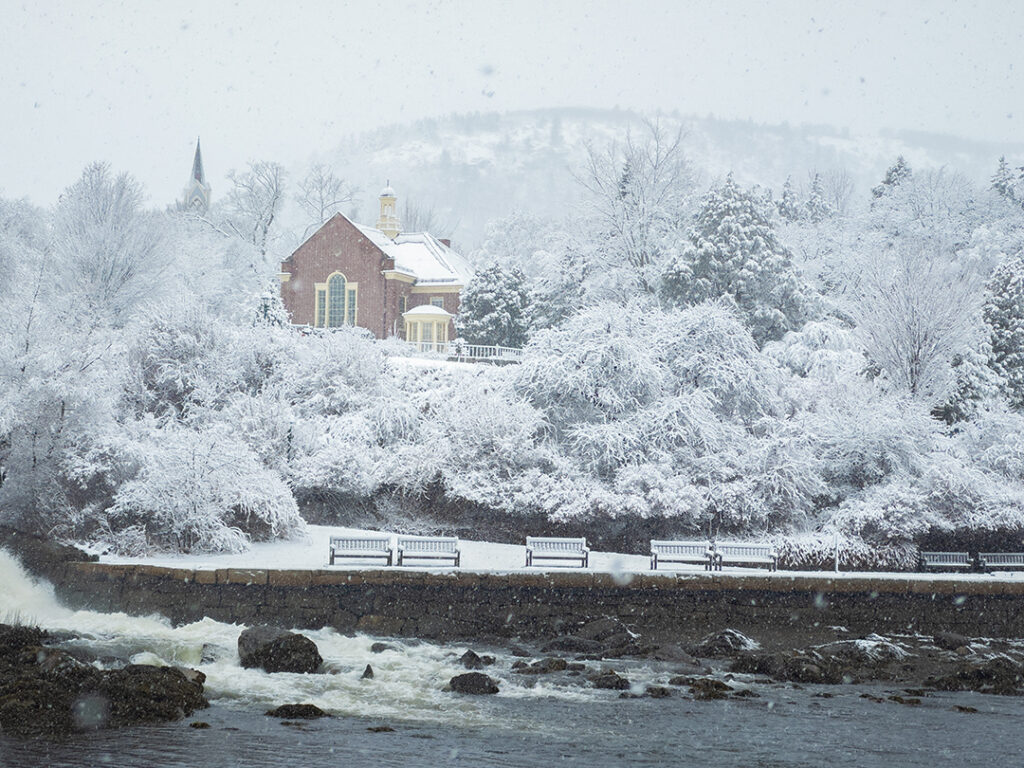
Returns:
(417, 254)
(422, 256)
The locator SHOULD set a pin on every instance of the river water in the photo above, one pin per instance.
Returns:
(534, 720)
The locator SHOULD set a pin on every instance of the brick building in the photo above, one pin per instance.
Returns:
(393, 283)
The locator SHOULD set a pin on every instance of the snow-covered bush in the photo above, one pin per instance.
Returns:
(201, 491)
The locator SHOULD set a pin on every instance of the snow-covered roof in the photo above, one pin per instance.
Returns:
(426, 309)
(387, 191)
(423, 256)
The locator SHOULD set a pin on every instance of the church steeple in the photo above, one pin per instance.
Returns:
(197, 193)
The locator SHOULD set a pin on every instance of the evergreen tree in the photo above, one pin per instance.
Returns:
(789, 208)
(1003, 311)
(732, 251)
(1003, 182)
(895, 176)
(494, 308)
(817, 207)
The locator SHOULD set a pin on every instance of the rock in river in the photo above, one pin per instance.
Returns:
(277, 650)
(474, 683)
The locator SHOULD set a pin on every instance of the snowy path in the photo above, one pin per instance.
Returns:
(481, 556)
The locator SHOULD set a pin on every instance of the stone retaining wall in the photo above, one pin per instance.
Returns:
(467, 605)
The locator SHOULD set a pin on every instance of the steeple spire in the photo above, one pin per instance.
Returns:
(197, 166)
(197, 193)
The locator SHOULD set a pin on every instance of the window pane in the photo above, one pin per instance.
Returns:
(321, 307)
(428, 332)
(350, 317)
(336, 301)
(437, 301)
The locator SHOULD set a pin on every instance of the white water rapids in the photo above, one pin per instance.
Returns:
(407, 683)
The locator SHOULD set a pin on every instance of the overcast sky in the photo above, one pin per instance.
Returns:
(134, 83)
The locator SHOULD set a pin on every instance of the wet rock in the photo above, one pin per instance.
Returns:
(708, 688)
(909, 701)
(381, 647)
(963, 650)
(728, 642)
(46, 691)
(757, 664)
(603, 629)
(674, 653)
(610, 681)
(297, 712)
(1000, 675)
(950, 641)
(870, 650)
(519, 665)
(518, 650)
(470, 660)
(805, 668)
(475, 683)
(960, 708)
(575, 666)
(746, 693)
(571, 644)
(367, 673)
(276, 650)
(199, 724)
(545, 666)
(657, 692)
(381, 729)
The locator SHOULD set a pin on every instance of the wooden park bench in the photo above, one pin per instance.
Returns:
(361, 547)
(538, 548)
(429, 548)
(745, 554)
(688, 552)
(945, 561)
(1003, 561)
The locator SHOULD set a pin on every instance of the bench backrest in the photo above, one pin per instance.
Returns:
(555, 545)
(1002, 558)
(429, 544)
(946, 558)
(745, 550)
(699, 548)
(361, 543)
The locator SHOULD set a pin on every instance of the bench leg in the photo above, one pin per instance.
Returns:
(586, 559)
(458, 559)
(529, 558)
(390, 556)
(654, 562)
(331, 560)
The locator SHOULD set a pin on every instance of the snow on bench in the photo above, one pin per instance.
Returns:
(360, 546)
(745, 554)
(692, 552)
(1009, 561)
(540, 548)
(429, 548)
(950, 561)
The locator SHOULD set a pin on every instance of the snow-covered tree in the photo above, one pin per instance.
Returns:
(494, 308)
(1003, 311)
(637, 194)
(816, 206)
(1003, 182)
(915, 316)
(899, 172)
(788, 206)
(254, 201)
(732, 251)
(321, 194)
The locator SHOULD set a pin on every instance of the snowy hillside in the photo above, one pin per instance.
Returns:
(469, 169)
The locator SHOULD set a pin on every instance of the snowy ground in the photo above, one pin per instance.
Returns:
(481, 556)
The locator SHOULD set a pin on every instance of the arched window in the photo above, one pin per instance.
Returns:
(336, 301)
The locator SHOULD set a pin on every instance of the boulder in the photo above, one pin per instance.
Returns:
(602, 629)
(381, 647)
(950, 641)
(1001, 675)
(470, 660)
(367, 673)
(297, 712)
(611, 681)
(46, 691)
(708, 688)
(572, 644)
(728, 642)
(276, 650)
(544, 666)
(475, 683)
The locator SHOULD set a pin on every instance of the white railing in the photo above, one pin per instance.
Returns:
(458, 350)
